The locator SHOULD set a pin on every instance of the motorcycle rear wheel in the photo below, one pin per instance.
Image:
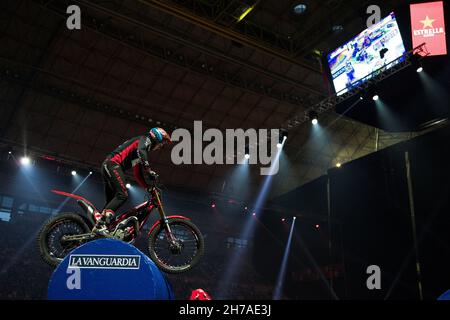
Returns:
(51, 247)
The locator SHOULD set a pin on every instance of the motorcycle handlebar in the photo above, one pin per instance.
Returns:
(155, 184)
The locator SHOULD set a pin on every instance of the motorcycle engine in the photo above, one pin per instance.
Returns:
(124, 231)
(119, 234)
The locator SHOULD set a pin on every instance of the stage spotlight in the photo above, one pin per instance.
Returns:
(283, 138)
(9, 152)
(300, 8)
(364, 93)
(376, 97)
(128, 186)
(90, 172)
(295, 218)
(25, 161)
(416, 61)
(317, 226)
(254, 214)
(283, 219)
(74, 173)
(247, 152)
(283, 135)
(314, 117)
(338, 164)
(213, 205)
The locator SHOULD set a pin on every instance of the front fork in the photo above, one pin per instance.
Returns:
(164, 219)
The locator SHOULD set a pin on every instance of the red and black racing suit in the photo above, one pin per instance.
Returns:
(131, 153)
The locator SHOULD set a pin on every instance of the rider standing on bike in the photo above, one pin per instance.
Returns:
(132, 153)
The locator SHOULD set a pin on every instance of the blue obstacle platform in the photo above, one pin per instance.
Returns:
(108, 269)
(445, 296)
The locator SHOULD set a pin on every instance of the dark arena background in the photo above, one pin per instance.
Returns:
(359, 206)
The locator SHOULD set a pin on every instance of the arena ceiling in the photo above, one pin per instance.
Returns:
(77, 94)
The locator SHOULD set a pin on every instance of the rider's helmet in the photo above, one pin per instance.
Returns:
(159, 137)
(199, 294)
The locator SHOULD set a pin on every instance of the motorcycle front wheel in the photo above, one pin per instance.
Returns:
(180, 256)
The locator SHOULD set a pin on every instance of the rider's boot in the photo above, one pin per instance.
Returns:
(101, 227)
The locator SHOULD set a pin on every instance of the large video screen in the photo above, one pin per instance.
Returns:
(369, 51)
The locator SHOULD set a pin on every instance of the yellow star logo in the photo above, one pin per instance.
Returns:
(427, 22)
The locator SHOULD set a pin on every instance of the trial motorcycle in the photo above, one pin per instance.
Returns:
(175, 244)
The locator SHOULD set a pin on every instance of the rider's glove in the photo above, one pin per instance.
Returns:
(153, 175)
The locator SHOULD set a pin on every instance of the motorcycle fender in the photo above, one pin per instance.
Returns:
(88, 213)
(168, 218)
